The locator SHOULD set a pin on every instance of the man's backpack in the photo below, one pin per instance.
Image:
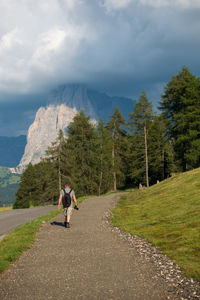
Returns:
(66, 199)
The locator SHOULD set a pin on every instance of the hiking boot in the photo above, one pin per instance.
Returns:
(67, 225)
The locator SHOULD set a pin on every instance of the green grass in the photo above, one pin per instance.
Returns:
(2, 209)
(4, 171)
(168, 216)
(19, 240)
(7, 178)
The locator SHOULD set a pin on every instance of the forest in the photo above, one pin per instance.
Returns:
(142, 150)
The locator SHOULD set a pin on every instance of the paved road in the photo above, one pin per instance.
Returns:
(86, 262)
(13, 218)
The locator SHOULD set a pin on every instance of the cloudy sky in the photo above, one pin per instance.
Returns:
(120, 47)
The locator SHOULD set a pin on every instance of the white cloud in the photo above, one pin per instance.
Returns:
(50, 41)
(9, 39)
(45, 47)
(55, 41)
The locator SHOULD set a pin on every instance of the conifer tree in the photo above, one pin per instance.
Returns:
(136, 160)
(82, 155)
(27, 188)
(161, 158)
(118, 135)
(47, 183)
(181, 106)
(56, 154)
(104, 148)
(38, 186)
(139, 123)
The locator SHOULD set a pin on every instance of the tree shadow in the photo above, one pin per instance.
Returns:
(57, 223)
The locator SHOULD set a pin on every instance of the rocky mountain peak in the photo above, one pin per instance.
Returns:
(73, 95)
(64, 103)
(44, 131)
(95, 104)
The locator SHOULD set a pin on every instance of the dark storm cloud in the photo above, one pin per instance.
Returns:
(18, 112)
(118, 46)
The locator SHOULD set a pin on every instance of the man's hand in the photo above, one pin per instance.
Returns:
(76, 207)
(59, 206)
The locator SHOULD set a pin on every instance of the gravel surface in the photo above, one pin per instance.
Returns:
(90, 260)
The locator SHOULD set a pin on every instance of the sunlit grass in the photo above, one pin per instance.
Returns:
(5, 208)
(13, 244)
(167, 215)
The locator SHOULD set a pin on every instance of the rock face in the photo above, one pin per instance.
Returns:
(44, 131)
(64, 103)
(73, 96)
(94, 103)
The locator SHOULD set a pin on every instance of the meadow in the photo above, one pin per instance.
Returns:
(167, 215)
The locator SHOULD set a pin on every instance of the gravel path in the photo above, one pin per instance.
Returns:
(87, 261)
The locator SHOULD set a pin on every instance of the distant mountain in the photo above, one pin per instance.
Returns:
(44, 131)
(94, 103)
(8, 186)
(64, 103)
(11, 150)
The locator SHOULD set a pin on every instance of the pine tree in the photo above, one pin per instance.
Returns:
(25, 195)
(82, 155)
(38, 186)
(47, 183)
(161, 159)
(136, 159)
(56, 154)
(118, 135)
(104, 161)
(181, 106)
(139, 123)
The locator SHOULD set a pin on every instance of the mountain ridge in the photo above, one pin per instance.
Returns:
(44, 130)
(63, 103)
(70, 98)
(96, 104)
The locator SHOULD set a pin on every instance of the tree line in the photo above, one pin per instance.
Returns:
(100, 157)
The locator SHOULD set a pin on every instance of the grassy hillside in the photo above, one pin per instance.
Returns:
(167, 215)
(8, 186)
(7, 178)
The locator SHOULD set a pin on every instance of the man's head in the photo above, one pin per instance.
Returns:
(67, 184)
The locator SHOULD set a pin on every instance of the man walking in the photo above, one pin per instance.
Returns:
(67, 210)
